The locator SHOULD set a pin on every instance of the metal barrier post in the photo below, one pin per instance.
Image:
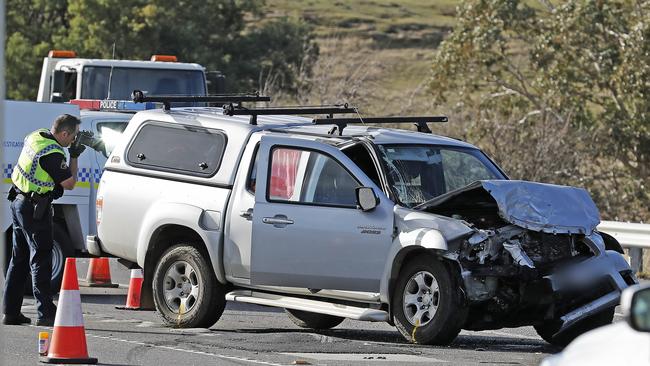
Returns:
(636, 259)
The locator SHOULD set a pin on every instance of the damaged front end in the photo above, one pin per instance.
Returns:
(534, 256)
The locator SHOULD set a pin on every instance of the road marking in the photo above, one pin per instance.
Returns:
(147, 324)
(511, 335)
(113, 320)
(189, 330)
(361, 357)
(321, 338)
(225, 357)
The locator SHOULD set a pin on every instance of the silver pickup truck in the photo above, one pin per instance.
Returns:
(330, 221)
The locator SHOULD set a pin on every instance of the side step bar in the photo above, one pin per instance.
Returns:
(314, 306)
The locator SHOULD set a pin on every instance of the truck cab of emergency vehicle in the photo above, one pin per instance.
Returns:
(65, 77)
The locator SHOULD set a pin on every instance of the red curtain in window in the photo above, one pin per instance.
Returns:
(284, 168)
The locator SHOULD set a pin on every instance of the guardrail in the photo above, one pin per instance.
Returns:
(633, 236)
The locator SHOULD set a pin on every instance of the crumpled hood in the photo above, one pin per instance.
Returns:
(541, 207)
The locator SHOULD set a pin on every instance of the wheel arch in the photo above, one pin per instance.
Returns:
(68, 218)
(166, 223)
(163, 238)
(405, 244)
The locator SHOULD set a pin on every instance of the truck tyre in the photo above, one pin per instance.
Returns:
(427, 307)
(185, 290)
(306, 319)
(60, 251)
(547, 330)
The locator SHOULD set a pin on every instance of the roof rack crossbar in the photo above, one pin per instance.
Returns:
(139, 97)
(419, 121)
(330, 111)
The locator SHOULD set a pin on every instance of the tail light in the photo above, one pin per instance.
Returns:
(99, 206)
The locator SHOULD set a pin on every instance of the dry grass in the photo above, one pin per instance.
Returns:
(374, 54)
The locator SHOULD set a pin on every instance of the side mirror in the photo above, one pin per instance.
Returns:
(58, 89)
(216, 82)
(367, 200)
(58, 81)
(638, 313)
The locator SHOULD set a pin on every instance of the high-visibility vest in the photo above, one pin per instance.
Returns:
(28, 175)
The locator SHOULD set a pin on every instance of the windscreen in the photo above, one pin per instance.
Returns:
(418, 173)
(121, 81)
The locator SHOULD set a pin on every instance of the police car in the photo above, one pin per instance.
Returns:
(74, 213)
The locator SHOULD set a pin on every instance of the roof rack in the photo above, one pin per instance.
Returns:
(419, 121)
(139, 97)
(330, 111)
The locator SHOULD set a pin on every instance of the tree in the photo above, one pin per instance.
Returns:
(227, 35)
(567, 87)
(31, 27)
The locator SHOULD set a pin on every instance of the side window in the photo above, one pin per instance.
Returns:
(181, 149)
(110, 133)
(309, 177)
(360, 156)
(284, 168)
(70, 86)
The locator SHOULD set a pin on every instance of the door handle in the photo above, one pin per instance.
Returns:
(247, 214)
(277, 220)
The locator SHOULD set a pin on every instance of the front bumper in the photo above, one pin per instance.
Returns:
(608, 271)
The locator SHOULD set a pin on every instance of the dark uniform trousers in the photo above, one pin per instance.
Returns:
(32, 247)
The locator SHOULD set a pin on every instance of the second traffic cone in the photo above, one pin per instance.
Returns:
(68, 343)
(135, 288)
(99, 273)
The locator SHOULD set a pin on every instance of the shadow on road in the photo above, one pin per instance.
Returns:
(487, 343)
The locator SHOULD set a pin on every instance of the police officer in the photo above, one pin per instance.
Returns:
(40, 177)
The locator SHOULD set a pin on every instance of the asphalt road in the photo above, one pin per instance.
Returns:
(254, 335)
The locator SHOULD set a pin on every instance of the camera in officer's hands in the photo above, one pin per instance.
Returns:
(84, 138)
(87, 138)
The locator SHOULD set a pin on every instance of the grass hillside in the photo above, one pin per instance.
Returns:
(375, 54)
(382, 20)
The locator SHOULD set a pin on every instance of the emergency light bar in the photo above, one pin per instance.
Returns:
(139, 97)
(112, 105)
(419, 121)
(62, 54)
(164, 58)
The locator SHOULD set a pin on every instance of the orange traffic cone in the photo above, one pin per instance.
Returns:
(135, 288)
(99, 273)
(69, 337)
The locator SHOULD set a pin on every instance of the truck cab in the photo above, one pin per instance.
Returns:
(64, 77)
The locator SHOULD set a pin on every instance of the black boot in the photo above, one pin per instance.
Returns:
(15, 319)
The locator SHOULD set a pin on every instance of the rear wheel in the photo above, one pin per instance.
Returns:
(427, 307)
(60, 251)
(547, 330)
(306, 319)
(186, 291)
